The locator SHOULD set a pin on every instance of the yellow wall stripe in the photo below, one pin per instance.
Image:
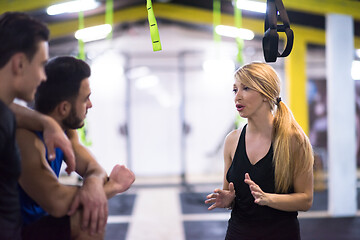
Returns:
(295, 71)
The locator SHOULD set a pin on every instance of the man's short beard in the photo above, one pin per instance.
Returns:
(72, 121)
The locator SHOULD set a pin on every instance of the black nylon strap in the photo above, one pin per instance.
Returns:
(271, 37)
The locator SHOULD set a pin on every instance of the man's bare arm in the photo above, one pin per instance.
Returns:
(91, 195)
(40, 182)
(38, 179)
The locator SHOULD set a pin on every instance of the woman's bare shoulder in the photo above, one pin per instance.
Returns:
(231, 142)
(233, 136)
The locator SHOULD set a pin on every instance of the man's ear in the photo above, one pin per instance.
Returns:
(18, 63)
(64, 108)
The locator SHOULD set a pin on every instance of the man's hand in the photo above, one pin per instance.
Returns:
(92, 198)
(55, 137)
(221, 198)
(258, 194)
(121, 179)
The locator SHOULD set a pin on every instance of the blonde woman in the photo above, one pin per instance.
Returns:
(268, 173)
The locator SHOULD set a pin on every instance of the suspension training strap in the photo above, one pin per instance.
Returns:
(154, 31)
(271, 36)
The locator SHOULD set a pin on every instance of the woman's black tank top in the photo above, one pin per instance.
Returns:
(262, 173)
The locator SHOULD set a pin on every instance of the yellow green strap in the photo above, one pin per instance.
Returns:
(82, 131)
(154, 30)
(109, 15)
(239, 41)
(81, 42)
(216, 18)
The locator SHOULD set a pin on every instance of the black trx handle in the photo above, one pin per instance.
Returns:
(271, 36)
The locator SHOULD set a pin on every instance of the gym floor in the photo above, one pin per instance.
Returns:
(174, 211)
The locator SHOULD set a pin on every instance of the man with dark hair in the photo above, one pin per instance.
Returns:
(65, 97)
(28, 31)
(66, 74)
(23, 54)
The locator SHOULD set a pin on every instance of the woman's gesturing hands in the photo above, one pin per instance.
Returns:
(221, 198)
(258, 194)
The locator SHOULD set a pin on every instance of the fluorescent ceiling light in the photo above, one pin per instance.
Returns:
(357, 51)
(355, 70)
(73, 6)
(252, 6)
(93, 33)
(234, 32)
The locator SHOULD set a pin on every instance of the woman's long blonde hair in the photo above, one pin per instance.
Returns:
(293, 153)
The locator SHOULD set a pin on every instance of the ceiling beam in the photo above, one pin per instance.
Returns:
(201, 16)
(25, 5)
(65, 28)
(323, 7)
(184, 14)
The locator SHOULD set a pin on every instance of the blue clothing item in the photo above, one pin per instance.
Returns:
(30, 210)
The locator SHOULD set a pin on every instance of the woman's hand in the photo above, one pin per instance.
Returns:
(261, 197)
(221, 198)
